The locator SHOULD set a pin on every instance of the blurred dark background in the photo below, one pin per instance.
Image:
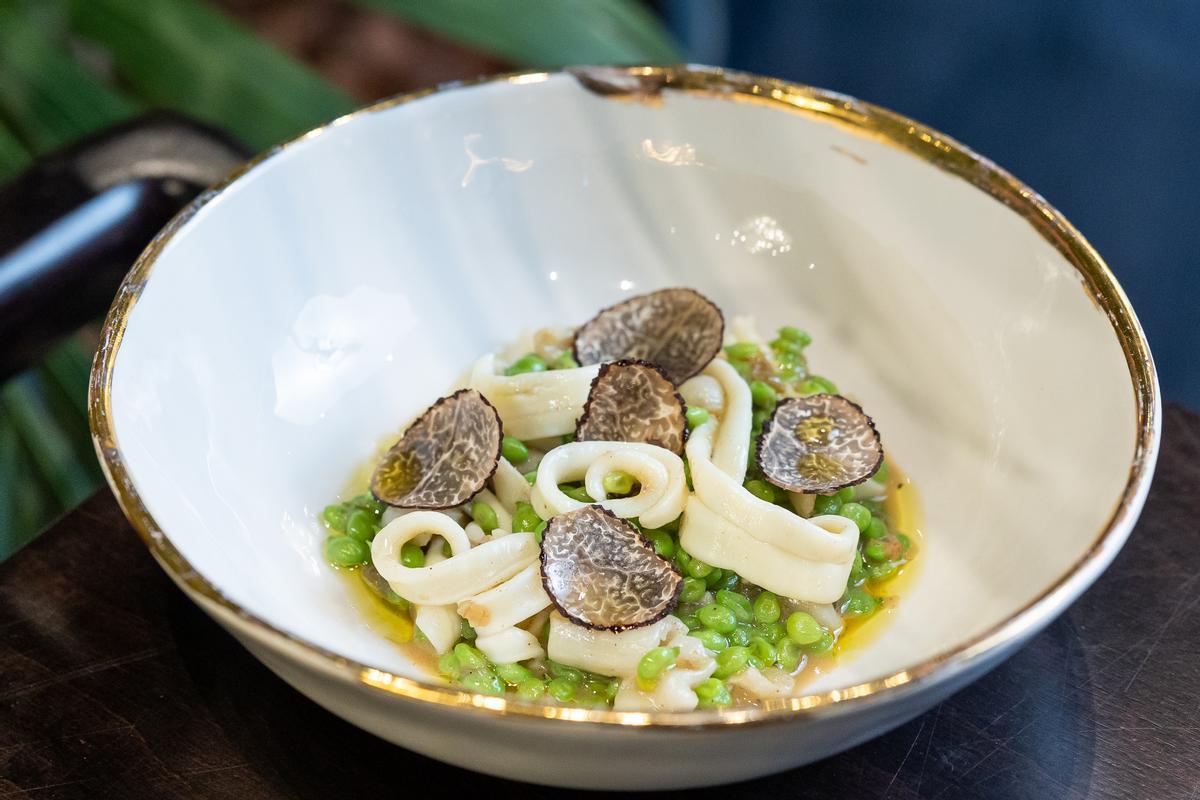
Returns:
(1096, 104)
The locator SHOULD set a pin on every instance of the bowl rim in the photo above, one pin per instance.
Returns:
(645, 84)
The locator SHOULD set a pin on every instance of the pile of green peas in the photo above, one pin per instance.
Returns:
(466, 666)
(352, 526)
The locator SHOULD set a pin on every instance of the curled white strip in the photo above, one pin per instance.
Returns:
(605, 652)
(536, 404)
(515, 600)
(764, 685)
(511, 486)
(470, 571)
(440, 624)
(726, 526)
(675, 688)
(703, 391)
(730, 450)
(659, 471)
(510, 646)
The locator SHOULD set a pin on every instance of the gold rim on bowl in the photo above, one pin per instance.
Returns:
(646, 83)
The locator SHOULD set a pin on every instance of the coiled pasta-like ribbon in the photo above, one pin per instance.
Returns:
(659, 471)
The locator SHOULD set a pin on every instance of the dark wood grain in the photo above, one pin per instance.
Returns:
(113, 685)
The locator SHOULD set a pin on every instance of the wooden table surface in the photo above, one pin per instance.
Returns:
(113, 685)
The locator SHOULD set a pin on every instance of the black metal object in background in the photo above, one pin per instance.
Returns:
(73, 223)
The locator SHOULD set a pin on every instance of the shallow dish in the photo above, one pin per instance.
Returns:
(291, 318)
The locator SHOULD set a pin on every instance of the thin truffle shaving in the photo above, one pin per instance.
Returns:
(445, 456)
(818, 443)
(680, 330)
(603, 574)
(633, 401)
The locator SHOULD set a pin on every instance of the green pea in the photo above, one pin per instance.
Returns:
(876, 529)
(718, 618)
(346, 551)
(731, 661)
(531, 477)
(672, 526)
(845, 494)
(826, 504)
(815, 384)
(822, 645)
(618, 483)
(763, 395)
(766, 607)
(682, 558)
(729, 580)
(742, 351)
(858, 572)
(741, 635)
(531, 689)
(467, 631)
(803, 628)
(696, 416)
(788, 655)
(447, 665)
(760, 489)
(540, 530)
(693, 590)
(875, 550)
(565, 361)
(691, 620)
(591, 694)
(762, 652)
(513, 674)
(524, 518)
(687, 475)
(711, 639)
(773, 632)
(412, 556)
(361, 525)
(757, 420)
(566, 438)
(663, 543)
(713, 692)
(527, 363)
(468, 657)
(569, 674)
(786, 349)
(576, 493)
(739, 604)
(513, 450)
(714, 579)
(858, 514)
(367, 502)
(484, 516)
(796, 335)
(335, 517)
(655, 662)
(882, 571)
(881, 474)
(905, 543)
(481, 681)
(698, 569)
(859, 603)
(561, 689)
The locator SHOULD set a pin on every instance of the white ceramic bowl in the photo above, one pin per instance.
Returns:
(290, 318)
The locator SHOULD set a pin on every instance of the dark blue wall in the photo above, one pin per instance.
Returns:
(1096, 104)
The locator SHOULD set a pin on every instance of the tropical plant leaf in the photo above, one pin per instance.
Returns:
(25, 501)
(546, 33)
(46, 98)
(185, 55)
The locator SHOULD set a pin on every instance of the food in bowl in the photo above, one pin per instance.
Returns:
(648, 512)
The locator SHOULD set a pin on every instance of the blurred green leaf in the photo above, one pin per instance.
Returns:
(46, 98)
(25, 502)
(185, 55)
(13, 155)
(546, 33)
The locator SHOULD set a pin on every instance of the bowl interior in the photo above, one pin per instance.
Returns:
(335, 290)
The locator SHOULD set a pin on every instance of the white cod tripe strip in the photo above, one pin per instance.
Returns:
(440, 624)
(726, 526)
(468, 572)
(659, 471)
(534, 405)
(675, 688)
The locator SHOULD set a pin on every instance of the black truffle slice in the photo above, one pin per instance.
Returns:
(681, 330)
(818, 444)
(603, 574)
(633, 401)
(444, 457)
